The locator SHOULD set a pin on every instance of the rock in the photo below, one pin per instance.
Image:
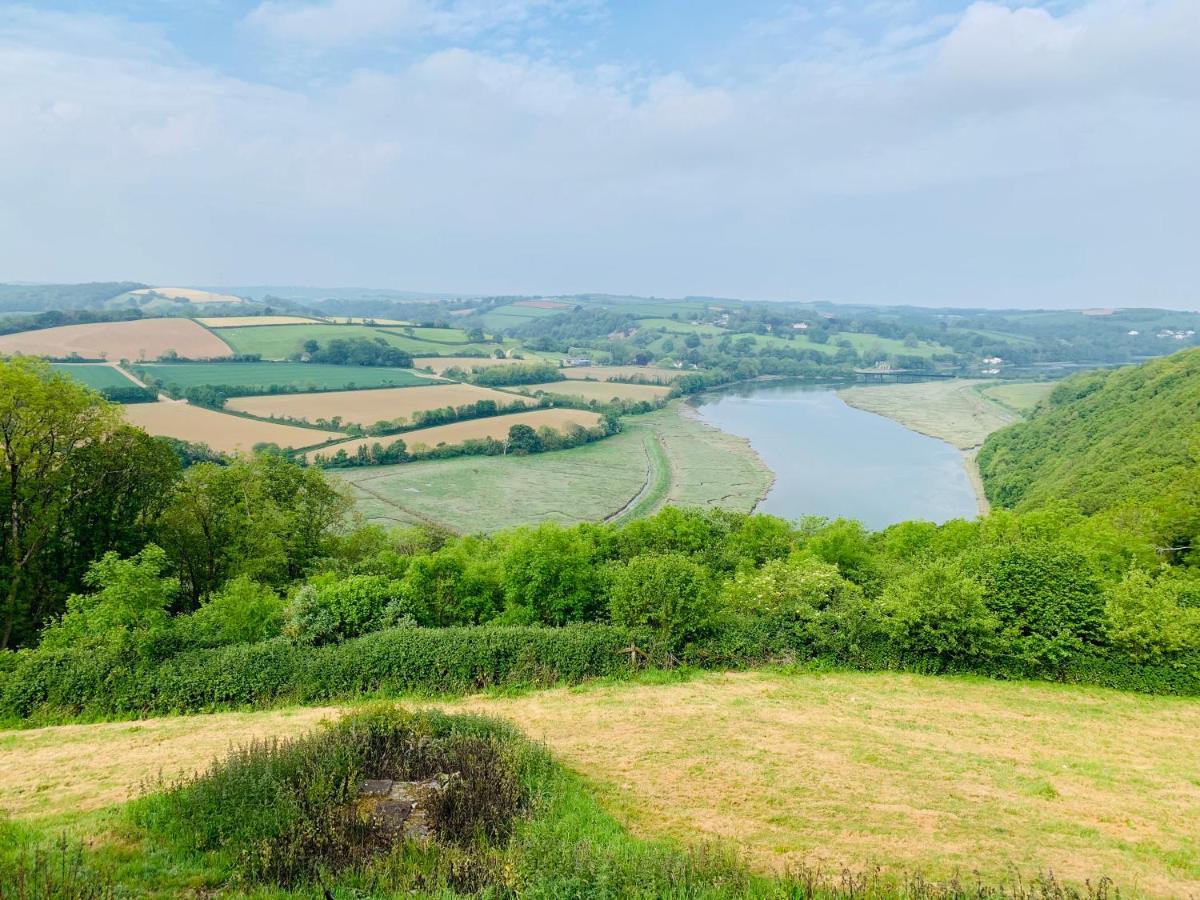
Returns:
(399, 810)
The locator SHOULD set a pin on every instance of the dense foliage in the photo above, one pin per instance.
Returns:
(1124, 443)
(354, 352)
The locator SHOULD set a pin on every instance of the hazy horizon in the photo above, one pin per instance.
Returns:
(932, 153)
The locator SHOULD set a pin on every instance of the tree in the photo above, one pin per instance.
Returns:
(551, 571)
(938, 611)
(47, 422)
(666, 592)
(522, 439)
(1149, 618)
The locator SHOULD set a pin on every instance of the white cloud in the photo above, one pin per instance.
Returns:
(1018, 157)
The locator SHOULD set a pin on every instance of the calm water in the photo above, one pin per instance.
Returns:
(831, 459)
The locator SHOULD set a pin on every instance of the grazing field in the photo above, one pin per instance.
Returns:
(938, 775)
(473, 429)
(139, 339)
(221, 431)
(363, 320)
(369, 407)
(440, 364)
(598, 390)
(1020, 397)
(248, 321)
(262, 375)
(97, 376)
(281, 341)
(435, 335)
(952, 410)
(191, 295)
(660, 457)
(682, 326)
(603, 373)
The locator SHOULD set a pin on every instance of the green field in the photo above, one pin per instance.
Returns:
(1020, 397)
(97, 377)
(434, 335)
(281, 341)
(952, 410)
(301, 376)
(661, 457)
(861, 342)
(680, 326)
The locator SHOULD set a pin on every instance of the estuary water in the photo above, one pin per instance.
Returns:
(831, 459)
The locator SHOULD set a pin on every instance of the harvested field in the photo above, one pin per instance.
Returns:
(247, 321)
(221, 431)
(440, 364)
(139, 339)
(954, 411)
(474, 429)
(932, 774)
(603, 391)
(261, 375)
(191, 295)
(368, 407)
(603, 373)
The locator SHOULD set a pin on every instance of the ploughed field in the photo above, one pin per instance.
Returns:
(473, 429)
(940, 775)
(602, 391)
(364, 407)
(221, 431)
(256, 376)
(135, 340)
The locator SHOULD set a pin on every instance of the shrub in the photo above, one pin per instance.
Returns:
(939, 611)
(551, 571)
(665, 592)
(1146, 618)
(330, 610)
(797, 589)
(242, 612)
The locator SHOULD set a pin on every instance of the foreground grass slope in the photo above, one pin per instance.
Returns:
(839, 769)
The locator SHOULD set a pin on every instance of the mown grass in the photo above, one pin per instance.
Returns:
(261, 375)
(672, 782)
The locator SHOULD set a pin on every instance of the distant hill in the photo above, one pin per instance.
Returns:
(1107, 440)
(43, 297)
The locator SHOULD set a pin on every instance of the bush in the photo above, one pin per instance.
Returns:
(665, 592)
(939, 611)
(1146, 618)
(242, 612)
(333, 609)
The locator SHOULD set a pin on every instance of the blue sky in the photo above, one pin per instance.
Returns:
(892, 151)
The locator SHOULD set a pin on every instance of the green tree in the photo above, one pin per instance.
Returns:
(1150, 618)
(666, 592)
(522, 439)
(551, 571)
(937, 610)
(241, 612)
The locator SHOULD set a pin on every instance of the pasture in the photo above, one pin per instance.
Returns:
(264, 375)
(439, 364)
(190, 295)
(952, 410)
(663, 456)
(681, 326)
(603, 391)
(369, 407)
(97, 376)
(221, 431)
(603, 373)
(1020, 397)
(866, 342)
(136, 340)
(937, 775)
(282, 341)
(474, 429)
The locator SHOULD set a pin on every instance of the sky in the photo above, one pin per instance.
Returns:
(891, 151)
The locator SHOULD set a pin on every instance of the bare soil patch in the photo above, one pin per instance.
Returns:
(143, 339)
(368, 406)
(223, 432)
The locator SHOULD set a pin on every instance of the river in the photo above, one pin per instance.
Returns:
(831, 459)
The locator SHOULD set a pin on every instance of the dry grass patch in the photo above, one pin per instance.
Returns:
(599, 390)
(439, 364)
(222, 432)
(142, 339)
(603, 373)
(191, 295)
(474, 429)
(367, 407)
(954, 411)
(910, 772)
(247, 321)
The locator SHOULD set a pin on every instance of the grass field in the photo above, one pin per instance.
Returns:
(952, 410)
(97, 376)
(436, 335)
(140, 339)
(249, 321)
(473, 429)
(281, 341)
(913, 773)
(680, 326)
(603, 391)
(191, 295)
(369, 407)
(603, 373)
(862, 342)
(440, 364)
(1021, 398)
(221, 431)
(310, 376)
(660, 457)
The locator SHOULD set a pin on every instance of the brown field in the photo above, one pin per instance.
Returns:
(223, 432)
(190, 294)
(603, 373)
(141, 339)
(598, 390)
(440, 364)
(367, 407)
(916, 773)
(247, 321)
(494, 427)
